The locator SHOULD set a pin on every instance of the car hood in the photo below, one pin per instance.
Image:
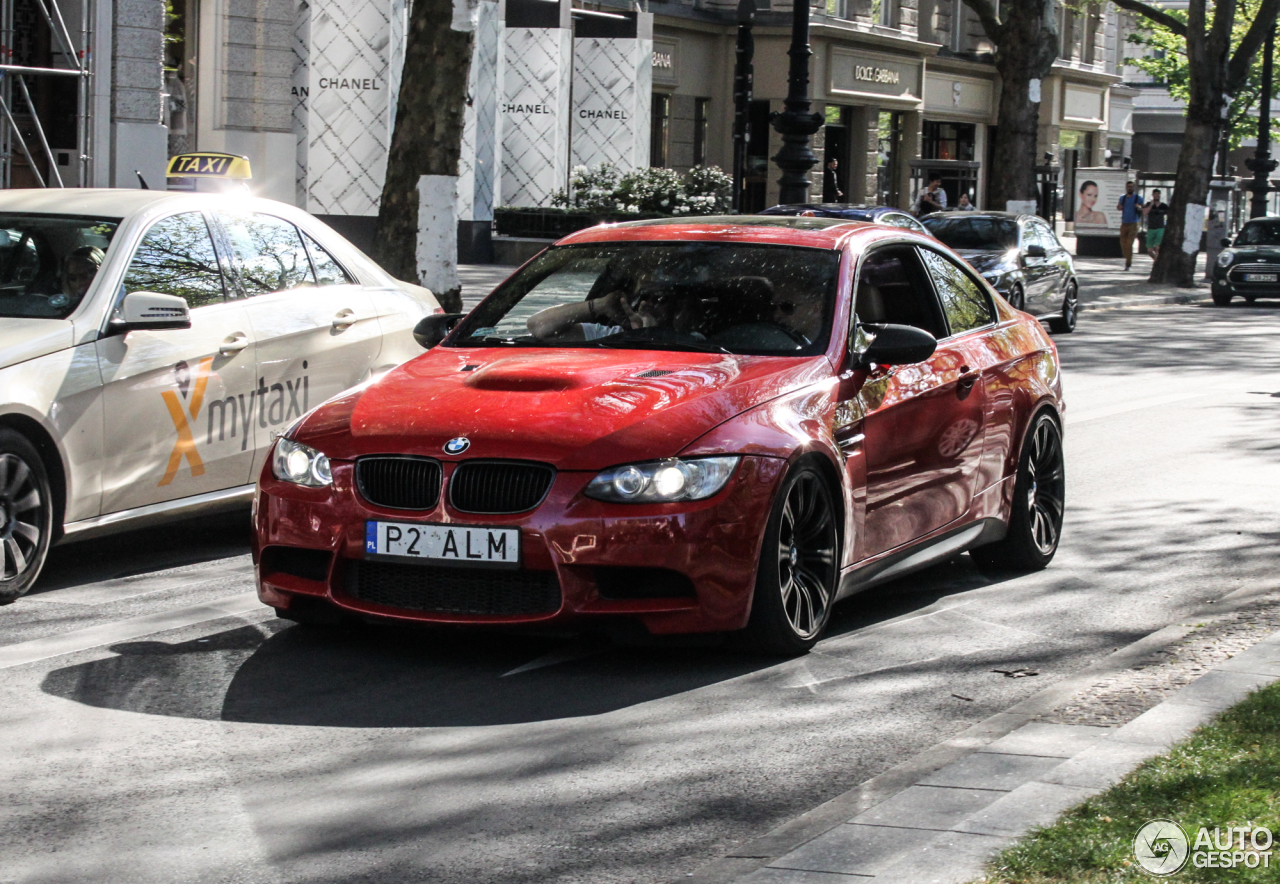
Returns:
(579, 409)
(1270, 254)
(25, 338)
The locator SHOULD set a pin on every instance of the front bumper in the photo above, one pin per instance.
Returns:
(684, 567)
(1229, 280)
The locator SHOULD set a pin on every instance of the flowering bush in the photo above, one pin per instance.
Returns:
(703, 190)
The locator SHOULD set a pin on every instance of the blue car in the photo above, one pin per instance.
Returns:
(874, 214)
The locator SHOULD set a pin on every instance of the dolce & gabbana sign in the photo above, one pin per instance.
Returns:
(864, 73)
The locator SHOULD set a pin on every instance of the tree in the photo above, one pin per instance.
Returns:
(1025, 34)
(427, 136)
(1215, 73)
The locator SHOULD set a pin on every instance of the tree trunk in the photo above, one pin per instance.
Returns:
(1026, 39)
(1176, 266)
(427, 138)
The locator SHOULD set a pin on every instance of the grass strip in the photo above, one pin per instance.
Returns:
(1226, 774)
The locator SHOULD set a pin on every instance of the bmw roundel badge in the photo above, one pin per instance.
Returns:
(457, 446)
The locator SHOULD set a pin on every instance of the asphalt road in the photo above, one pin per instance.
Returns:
(159, 727)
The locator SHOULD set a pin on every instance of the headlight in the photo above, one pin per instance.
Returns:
(664, 481)
(300, 464)
(1225, 257)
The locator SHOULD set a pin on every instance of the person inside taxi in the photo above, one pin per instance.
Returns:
(79, 268)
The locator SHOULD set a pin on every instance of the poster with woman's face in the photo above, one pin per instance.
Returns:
(1097, 192)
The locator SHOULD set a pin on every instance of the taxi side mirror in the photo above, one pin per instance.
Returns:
(896, 345)
(433, 329)
(150, 311)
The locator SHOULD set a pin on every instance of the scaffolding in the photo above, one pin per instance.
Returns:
(39, 62)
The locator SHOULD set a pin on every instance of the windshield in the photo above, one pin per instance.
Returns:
(48, 261)
(717, 297)
(983, 234)
(1260, 233)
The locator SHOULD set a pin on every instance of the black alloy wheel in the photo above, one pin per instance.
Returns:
(1065, 321)
(799, 567)
(1017, 298)
(26, 515)
(1039, 503)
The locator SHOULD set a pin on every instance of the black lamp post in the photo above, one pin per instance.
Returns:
(795, 124)
(743, 77)
(1261, 163)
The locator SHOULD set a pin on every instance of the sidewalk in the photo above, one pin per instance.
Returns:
(1106, 285)
(937, 818)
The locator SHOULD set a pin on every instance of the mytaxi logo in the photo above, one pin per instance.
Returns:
(185, 445)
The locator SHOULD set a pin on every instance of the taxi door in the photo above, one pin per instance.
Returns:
(316, 329)
(176, 417)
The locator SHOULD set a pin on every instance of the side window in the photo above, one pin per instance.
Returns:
(1047, 239)
(268, 253)
(963, 300)
(892, 287)
(328, 271)
(1029, 236)
(176, 257)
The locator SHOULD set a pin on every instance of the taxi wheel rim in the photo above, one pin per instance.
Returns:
(806, 556)
(20, 528)
(1045, 487)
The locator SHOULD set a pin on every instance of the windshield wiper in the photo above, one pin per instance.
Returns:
(651, 344)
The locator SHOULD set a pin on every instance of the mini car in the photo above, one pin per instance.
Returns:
(851, 212)
(1249, 267)
(1021, 258)
(154, 344)
(721, 426)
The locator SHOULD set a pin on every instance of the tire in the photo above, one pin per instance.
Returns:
(799, 568)
(1017, 298)
(1221, 299)
(1065, 322)
(26, 515)
(1039, 500)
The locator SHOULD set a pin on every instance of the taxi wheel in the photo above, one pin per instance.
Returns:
(799, 567)
(1065, 322)
(26, 515)
(1039, 499)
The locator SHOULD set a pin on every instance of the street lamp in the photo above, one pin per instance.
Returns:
(1261, 163)
(743, 76)
(795, 124)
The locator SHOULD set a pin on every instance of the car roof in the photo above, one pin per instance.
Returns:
(112, 202)
(822, 233)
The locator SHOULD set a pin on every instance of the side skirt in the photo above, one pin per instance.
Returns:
(921, 555)
(157, 513)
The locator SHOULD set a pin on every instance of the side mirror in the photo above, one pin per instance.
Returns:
(897, 345)
(150, 311)
(433, 329)
(1036, 252)
(1226, 243)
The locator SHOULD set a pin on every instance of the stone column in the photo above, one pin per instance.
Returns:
(864, 154)
(139, 139)
(908, 150)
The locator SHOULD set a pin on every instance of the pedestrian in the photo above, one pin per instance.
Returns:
(1156, 214)
(932, 199)
(1130, 206)
(831, 192)
(964, 205)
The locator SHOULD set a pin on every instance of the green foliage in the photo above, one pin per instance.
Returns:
(1227, 774)
(1165, 61)
(703, 190)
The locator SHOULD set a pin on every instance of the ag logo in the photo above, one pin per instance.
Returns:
(457, 446)
(193, 395)
(1161, 847)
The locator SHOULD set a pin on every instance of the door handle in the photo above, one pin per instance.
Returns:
(233, 344)
(968, 377)
(344, 319)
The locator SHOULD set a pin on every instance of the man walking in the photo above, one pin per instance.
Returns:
(831, 192)
(1130, 206)
(1156, 214)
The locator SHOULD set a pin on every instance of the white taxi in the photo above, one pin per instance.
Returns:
(153, 343)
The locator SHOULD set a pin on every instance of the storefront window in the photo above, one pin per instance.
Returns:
(660, 124)
(700, 117)
(887, 158)
(948, 141)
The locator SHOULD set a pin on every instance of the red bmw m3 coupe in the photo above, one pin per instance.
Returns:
(720, 426)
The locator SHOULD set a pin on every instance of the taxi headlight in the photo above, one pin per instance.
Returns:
(664, 481)
(1225, 257)
(300, 464)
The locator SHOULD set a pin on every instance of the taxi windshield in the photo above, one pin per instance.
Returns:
(714, 297)
(1260, 233)
(47, 262)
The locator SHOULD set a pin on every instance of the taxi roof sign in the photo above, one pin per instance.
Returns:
(209, 164)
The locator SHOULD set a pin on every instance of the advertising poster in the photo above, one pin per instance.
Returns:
(1097, 192)
(612, 84)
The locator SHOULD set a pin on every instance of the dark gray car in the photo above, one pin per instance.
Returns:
(1021, 258)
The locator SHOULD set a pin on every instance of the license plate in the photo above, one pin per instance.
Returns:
(452, 544)
(1261, 277)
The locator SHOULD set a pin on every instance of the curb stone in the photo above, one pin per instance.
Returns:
(837, 840)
